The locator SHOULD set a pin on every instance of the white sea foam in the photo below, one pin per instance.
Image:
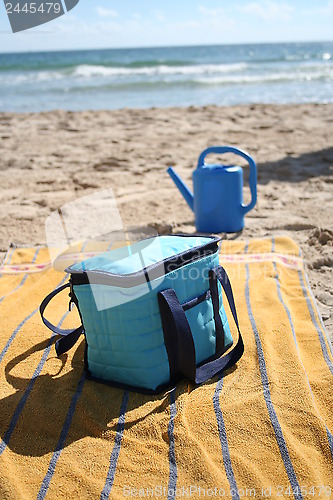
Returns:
(31, 77)
(206, 74)
(267, 78)
(88, 71)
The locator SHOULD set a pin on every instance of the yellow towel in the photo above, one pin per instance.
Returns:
(264, 430)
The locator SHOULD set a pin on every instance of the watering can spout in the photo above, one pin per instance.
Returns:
(182, 187)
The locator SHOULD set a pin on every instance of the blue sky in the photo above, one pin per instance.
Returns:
(129, 23)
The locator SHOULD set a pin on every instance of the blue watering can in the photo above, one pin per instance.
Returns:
(218, 193)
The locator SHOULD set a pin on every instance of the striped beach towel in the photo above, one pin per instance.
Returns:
(262, 430)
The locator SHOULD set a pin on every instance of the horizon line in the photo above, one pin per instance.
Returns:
(164, 46)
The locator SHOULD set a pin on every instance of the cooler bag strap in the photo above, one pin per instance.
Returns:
(219, 330)
(177, 336)
(70, 337)
(177, 332)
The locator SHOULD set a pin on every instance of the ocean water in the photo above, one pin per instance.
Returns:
(177, 76)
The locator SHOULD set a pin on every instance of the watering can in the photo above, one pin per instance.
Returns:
(218, 192)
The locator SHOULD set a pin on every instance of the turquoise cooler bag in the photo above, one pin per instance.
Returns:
(152, 313)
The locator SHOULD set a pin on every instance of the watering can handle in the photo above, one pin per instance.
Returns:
(248, 158)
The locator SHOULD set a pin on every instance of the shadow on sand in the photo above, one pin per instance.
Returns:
(297, 168)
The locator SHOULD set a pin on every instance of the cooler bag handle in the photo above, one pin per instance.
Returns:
(70, 337)
(179, 340)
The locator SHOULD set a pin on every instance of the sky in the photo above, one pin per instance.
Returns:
(130, 23)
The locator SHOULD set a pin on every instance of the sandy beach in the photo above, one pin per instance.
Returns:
(48, 159)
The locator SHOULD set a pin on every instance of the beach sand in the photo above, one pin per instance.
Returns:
(48, 159)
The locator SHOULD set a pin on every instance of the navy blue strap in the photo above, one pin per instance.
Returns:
(223, 278)
(177, 330)
(221, 364)
(70, 337)
(219, 331)
(170, 336)
(66, 343)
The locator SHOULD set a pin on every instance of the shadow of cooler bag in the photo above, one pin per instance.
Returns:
(152, 313)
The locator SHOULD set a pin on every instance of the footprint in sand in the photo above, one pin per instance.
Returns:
(108, 164)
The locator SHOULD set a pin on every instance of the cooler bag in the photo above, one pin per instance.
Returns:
(152, 313)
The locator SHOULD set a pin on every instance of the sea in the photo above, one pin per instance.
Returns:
(169, 76)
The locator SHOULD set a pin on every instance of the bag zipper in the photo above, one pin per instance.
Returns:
(146, 274)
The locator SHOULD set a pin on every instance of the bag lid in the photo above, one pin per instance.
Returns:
(171, 251)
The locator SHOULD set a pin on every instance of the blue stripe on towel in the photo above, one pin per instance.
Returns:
(314, 304)
(329, 434)
(15, 332)
(23, 279)
(315, 323)
(267, 395)
(18, 328)
(116, 448)
(223, 439)
(8, 256)
(172, 486)
(23, 400)
(63, 436)
(7, 259)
